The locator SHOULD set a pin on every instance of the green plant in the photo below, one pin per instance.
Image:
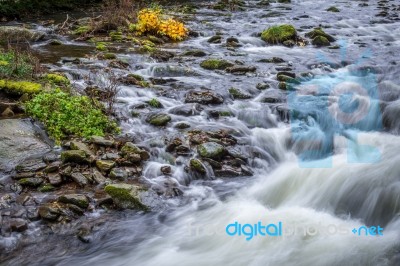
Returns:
(16, 64)
(56, 79)
(101, 46)
(279, 34)
(19, 87)
(155, 103)
(64, 114)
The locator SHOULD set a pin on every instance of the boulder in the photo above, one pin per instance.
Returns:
(76, 199)
(211, 150)
(158, 119)
(126, 196)
(74, 156)
(203, 97)
(20, 34)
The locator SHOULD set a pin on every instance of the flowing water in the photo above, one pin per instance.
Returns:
(317, 169)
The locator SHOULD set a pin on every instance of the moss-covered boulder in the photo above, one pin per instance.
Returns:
(197, 166)
(105, 165)
(211, 150)
(158, 119)
(16, 34)
(279, 34)
(320, 41)
(333, 9)
(238, 94)
(73, 156)
(319, 32)
(213, 64)
(126, 196)
(19, 88)
(130, 149)
(31, 181)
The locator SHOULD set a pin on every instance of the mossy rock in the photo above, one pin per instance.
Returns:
(333, 9)
(31, 181)
(73, 156)
(129, 148)
(126, 196)
(57, 79)
(321, 41)
(158, 119)
(211, 150)
(213, 64)
(75, 199)
(238, 94)
(46, 188)
(109, 56)
(319, 32)
(19, 88)
(197, 166)
(195, 53)
(105, 165)
(279, 34)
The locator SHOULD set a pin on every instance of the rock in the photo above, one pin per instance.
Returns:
(18, 225)
(52, 167)
(279, 34)
(215, 39)
(228, 171)
(333, 9)
(187, 109)
(262, 86)
(275, 60)
(240, 70)
(30, 182)
(118, 64)
(284, 73)
(196, 53)
(30, 165)
(105, 165)
(74, 156)
(319, 32)
(46, 188)
(19, 176)
(197, 166)
(203, 97)
(211, 150)
(282, 86)
(101, 141)
(162, 55)
(76, 199)
(239, 94)
(213, 64)
(80, 146)
(320, 41)
(166, 169)
(49, 212)
(7, 112)
(80, 179)
(98, 177)
(182, 125)
(126, 196)
(130, 148)
(54, 179)
(236, 153)
(158, 119)
(274, 96)
(20, 34)
(55, 42)
(118, 173)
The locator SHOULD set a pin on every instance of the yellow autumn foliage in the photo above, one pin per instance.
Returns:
(150, 20)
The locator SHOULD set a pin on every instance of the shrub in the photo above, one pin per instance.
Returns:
(151, 20)
(64, 114)
(279, 34)
(16, 64)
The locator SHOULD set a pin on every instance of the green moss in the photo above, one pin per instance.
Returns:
(320, 41)
(333, 9)
(116, 36)
(65, 114)
(279, 34)
(225, 113)
(319, 32)
(125, 196)
(101, 46)
(155, 103)
(19, 87)
(109, 56)
(46, 188)
(197, 166)
(213, 64)
(82, 30)
(57, 79)
(238, 94)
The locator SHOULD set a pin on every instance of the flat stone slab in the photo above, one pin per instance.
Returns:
(18, 140)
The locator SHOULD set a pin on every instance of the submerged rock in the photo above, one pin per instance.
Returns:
(126, 196)
(203, 97)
